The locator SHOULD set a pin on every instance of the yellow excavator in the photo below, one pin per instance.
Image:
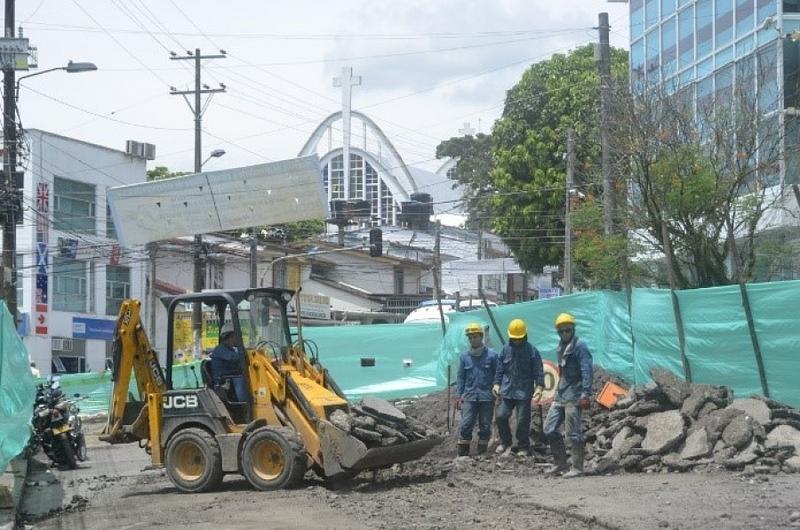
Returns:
(295, 418)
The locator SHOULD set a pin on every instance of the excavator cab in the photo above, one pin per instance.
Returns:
(295, 417)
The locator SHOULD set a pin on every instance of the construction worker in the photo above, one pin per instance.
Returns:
(476, 369)
(226, 362)
(573, 395)
(519, 377)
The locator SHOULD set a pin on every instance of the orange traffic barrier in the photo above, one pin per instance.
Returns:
(610, 393)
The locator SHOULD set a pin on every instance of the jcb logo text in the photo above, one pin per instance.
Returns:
(180, 402)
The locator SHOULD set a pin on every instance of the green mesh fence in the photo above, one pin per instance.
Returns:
(412, 360)
(16, 390)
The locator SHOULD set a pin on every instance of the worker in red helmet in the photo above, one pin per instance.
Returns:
(573, 395)
(476, 369)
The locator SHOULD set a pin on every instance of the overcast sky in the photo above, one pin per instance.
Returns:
(427, 66)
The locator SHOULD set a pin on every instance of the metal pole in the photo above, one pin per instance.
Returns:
(437, 271)
(480, 254)
(604, 66)
(567, 221)
(9, 280)
(152, 249)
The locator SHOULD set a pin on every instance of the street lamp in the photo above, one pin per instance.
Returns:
(216, 153)
(71, 68)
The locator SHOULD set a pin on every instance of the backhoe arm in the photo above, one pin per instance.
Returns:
(132, 354)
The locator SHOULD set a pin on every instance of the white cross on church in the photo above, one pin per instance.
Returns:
(347, 81)
(467, 130)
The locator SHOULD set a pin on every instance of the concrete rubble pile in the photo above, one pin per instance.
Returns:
(676, 426)
(378, 423)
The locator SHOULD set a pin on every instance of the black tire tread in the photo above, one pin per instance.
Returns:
(298, 457)
(215, 478)
(67, 451)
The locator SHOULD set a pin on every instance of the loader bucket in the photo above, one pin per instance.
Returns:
(343, 453)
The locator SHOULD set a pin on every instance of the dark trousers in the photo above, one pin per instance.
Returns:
(523, 407)
(482, 411)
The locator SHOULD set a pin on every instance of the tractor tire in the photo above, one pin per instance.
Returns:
(273, 458)
(193, 461)
(67, 454)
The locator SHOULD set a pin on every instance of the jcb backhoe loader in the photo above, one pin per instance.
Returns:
(284, 428)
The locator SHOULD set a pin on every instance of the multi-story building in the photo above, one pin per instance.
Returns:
(707, 47)
(72, 274)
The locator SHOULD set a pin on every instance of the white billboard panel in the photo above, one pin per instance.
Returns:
(264, 194)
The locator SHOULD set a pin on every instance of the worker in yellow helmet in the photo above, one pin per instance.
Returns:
(476, 369)
(573, 395)
(519, 377)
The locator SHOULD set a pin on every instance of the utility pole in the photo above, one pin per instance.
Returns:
(437, 274)
(567, 220)
(480, 254)
(197, 110)
(604, 66)
(152, 249)
(253, 260)
(9, 280)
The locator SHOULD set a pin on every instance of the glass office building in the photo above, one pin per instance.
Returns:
(706, 47)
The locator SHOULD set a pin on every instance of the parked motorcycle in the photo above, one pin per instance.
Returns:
(57, 425)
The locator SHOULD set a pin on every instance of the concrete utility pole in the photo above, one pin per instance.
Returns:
(253, 260)
(604, 66)
(152, 249)
(567, 220)
(9, 195)
(197, 110)
(347, 81)
(480, 254)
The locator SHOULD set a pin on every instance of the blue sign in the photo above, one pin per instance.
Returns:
(93, 328)
(551, 292)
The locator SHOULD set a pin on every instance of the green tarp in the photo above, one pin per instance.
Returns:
(412, 360)
(17, 391)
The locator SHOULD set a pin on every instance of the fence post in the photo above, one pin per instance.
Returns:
(748, 313)
(676, 308)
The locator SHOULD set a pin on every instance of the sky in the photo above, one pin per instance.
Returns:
(427, 68)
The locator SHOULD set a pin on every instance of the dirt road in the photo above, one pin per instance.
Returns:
(112, 491)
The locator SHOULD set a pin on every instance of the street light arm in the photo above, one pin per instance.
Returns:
(301, 255)
(16, 88)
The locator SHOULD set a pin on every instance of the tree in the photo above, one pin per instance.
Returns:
(701, 175)
(474, 163)
(163, 172)
(529, 144)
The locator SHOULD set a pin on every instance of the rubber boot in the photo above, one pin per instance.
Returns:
(463, 448)
(483, 445)
(559, 456)
(577, 461)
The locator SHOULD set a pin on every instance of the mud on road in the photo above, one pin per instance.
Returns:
(114, 490)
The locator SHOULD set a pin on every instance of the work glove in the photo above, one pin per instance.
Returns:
(584, 403)
(496, 390)
(537, 393)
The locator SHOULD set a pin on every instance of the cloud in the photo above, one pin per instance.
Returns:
(398, 67)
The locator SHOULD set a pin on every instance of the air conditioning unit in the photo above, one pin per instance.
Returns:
(61, 344)
(140, 149)
(149, 152)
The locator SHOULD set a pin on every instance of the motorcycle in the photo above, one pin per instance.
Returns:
(58, 427)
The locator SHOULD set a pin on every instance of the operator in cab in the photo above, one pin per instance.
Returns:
(226, 362)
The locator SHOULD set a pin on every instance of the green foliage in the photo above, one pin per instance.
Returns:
(163, 172)
(475, 162)
(529, 145)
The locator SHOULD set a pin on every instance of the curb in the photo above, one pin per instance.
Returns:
(16, 475)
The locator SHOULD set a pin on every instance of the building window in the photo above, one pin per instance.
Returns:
(373, 189)
(765, 8)
(74, 206)
(653, 46)
(768, 93)
(118, 287)
(637, 19)
(724, 22)
(667, 8)
(744, 17)
(651, 12)
(337, 178)
(325, 178)
(356, 177)
(398, 280)
(69, 285)
(704, 22)
(111, 230)
(387, 205)
(791, 6)
(686, 37)
(68, 355)
(669, 48)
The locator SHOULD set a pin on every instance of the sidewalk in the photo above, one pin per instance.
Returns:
(12, 484)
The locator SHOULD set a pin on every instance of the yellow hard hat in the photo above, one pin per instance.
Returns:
(517, 329)
(473, 328)
(565, 318)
